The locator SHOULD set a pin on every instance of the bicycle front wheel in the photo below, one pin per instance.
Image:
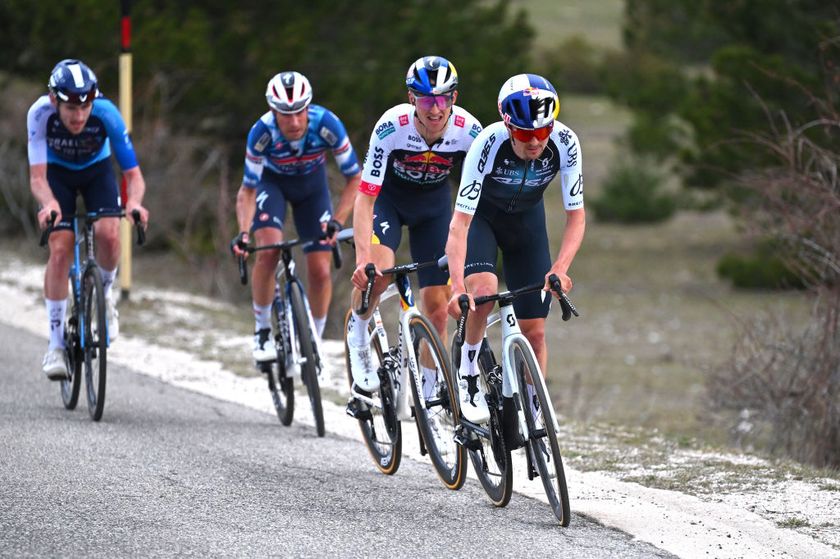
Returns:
(95, 340)
(307, 351)
(542, 443)
(490, 456)
(281, 386)
(72, 356)
(436, 407)
(381, 430)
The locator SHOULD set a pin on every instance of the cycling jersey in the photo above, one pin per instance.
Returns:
(267, 148)
(399, 160)
(51, 142)
(495, 175)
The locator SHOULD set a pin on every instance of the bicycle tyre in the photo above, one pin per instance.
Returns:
(495, 474)
(72, 356)
(437, 424)
(381, 430)
(306, 344)
(95, 348)
(542, 443)
(282, 387)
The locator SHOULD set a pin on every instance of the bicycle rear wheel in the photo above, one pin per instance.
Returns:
(95, 342)
(72, 355)
(542, 444)
(281, 387)
(436, 407)
(306, 347)
(490, 457)
(381, 430)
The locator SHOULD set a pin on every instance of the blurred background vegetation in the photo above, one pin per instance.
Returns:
(688, 113)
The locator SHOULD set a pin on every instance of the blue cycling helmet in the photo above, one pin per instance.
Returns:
(71, 81)
(431, 75)
(528, 101)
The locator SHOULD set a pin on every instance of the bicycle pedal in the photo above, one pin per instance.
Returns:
(357, 410)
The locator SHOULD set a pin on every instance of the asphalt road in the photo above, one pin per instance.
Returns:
(172, 472)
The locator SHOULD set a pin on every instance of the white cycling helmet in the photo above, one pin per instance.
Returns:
(288, 92)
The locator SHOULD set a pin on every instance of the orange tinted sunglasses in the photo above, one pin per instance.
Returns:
(524, 136)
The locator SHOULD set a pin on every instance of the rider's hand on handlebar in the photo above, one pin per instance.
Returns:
(239, 244)
(360, 279)
(130, 207)
(454, 308)
(565, 282)
(329, 230)
(45, 213)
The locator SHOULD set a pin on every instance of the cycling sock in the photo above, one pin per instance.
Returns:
(319, 324)
(469, 353)
(429, 378)
(56, 311)
(262, 317)
(357, 330)
(108, 277)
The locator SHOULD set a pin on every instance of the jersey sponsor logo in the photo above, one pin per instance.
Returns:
(385, 129)
(470, 191)
(539, 181)
(261, 198)
(264, 216)
(369, 188)
(328, 135)
(475, 130)
(262, 142)
(403, 120)
(413, 138)
(572, 154)
(577, 188)
(564, 136)
(427, 167)
(384, 226)
(459, 121)
(485, 151)
(378, 154)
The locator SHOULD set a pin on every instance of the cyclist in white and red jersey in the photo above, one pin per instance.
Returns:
(285, 163)
(412, 151)
(500, 207)
(72, 132)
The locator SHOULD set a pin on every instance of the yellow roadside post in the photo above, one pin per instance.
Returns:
(125, 109)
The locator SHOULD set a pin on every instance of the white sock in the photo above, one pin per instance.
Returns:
(357, 330)
(108, 277)
(56, 311)
(262, 317)
(429, 378)
(469, 354)
(319, 324)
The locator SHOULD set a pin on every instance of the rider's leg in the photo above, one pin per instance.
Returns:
(534, 330)
(55, 283)
(479, 284)
(107, 235)
(383, 257)
(319, 286)
(262, 275)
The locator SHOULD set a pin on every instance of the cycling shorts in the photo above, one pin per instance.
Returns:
(523, 240)
(96, 184)
(427, 215)
(309, 197)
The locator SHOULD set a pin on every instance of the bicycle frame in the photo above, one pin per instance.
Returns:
(77, 268)
(404, 357)
(286, 276)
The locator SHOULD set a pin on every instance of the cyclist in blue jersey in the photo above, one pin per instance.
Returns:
(414, 148)
(285, 162)
(72, 132)
(500, 207)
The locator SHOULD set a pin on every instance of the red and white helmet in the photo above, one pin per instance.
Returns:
(288, 92)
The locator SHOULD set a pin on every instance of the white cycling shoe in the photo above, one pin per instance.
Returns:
(472, 399)
(364, 372)
(54, 365)
(264, 349)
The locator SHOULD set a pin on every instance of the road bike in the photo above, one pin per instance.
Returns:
(293, 331)
(86, 339)
(521, 412)
(418, 359)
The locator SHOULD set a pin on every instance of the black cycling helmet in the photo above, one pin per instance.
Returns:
(71, 81)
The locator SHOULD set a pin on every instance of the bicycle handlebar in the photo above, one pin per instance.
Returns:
(370, 272)
(93, 216)
(45, 234)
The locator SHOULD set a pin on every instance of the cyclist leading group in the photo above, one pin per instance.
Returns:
(72, 131)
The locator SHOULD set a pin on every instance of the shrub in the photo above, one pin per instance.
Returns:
(632, 195)
(763, 269)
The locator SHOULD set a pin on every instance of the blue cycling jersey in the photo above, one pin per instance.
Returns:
(268, 148)
(51, 142)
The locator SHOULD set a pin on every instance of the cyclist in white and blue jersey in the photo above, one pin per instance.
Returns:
(285, 162)
(72, 133)
(500, 207)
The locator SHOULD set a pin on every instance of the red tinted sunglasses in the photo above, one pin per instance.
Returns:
(426, 102)
(524, 136)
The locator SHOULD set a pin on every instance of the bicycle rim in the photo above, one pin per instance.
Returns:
(381, 430)
(436, 408)
(96, 342)
(491, 460)
(542, 445)
(306, 343)
(281, 387)
(73, 359)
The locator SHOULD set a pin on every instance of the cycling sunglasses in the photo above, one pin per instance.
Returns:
(523, 135)
(426, 102)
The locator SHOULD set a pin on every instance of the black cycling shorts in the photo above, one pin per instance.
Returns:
(96, 184)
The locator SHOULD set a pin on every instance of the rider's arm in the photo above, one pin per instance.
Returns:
(135, 190)
(363, 227)
(41, 191)
(246, 206)
(456, 249)
(571, 179)
(572, 239)
(348, 197)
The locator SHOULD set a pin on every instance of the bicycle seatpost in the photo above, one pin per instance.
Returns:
(45, 234)
(565, 304)
(370, 272)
